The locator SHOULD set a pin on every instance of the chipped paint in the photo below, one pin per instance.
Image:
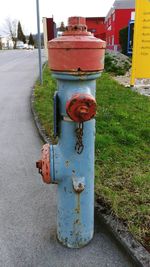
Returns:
(77, 209)
(67, 163)
(78, 184)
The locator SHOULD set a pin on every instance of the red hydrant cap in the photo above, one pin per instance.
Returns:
(81, 107)
(77, 49)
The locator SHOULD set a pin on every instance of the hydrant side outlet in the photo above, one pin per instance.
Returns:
(76, 60)
(44, 164)
(81, 107)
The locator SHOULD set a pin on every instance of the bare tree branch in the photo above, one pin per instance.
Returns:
(10, 28)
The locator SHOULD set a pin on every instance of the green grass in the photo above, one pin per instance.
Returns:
(43, 103)
(123, 155)
(122, 149)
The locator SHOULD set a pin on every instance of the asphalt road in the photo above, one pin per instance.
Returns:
(27, 206)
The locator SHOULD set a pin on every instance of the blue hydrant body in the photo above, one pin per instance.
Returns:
(70, 163)
(74, 172)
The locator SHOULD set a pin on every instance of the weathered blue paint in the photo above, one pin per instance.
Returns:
(74, 172)
(56, 115)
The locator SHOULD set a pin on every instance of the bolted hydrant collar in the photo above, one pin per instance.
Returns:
(76, 26)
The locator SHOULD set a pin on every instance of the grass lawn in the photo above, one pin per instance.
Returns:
(122, 166)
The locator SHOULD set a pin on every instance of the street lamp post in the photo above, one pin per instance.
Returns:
(39, 42)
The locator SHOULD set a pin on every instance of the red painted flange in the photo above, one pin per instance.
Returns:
(44, 164)
(81, 107)
(77, 50)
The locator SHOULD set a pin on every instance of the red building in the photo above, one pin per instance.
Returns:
(117, 18)
(51, 28)
(96, 25)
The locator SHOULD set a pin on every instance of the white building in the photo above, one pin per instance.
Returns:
(6, 42)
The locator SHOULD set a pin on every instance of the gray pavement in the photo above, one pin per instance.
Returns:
(27, 206)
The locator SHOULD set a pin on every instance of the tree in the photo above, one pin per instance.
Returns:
(20, 34)
(62, 27)
(31, 40)
(0, 43)
(11, 30)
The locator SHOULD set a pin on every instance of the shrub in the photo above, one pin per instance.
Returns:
(115, 65)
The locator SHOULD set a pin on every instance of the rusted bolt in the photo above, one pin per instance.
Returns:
(78, 185)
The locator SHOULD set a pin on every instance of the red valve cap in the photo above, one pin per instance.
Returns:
(44, 164)
(81, 107)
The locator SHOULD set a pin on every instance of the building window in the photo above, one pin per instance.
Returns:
(92, 30)
(112, 40)
(109, 28)
(113, 17)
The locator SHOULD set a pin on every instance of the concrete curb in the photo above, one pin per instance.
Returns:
(120, 232)
(41, 130)
(133, 248)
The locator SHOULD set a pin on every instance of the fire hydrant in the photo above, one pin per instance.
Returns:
(76, 60)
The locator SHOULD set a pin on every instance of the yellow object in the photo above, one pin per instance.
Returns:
(141, 45)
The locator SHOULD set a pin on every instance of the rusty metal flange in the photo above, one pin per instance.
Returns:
(44, 164)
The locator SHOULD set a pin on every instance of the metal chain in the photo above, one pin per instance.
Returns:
(79, 134)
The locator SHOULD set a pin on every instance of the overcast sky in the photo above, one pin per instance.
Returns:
(25, 11)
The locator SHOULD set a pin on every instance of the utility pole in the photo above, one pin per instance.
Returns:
(39, 42)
